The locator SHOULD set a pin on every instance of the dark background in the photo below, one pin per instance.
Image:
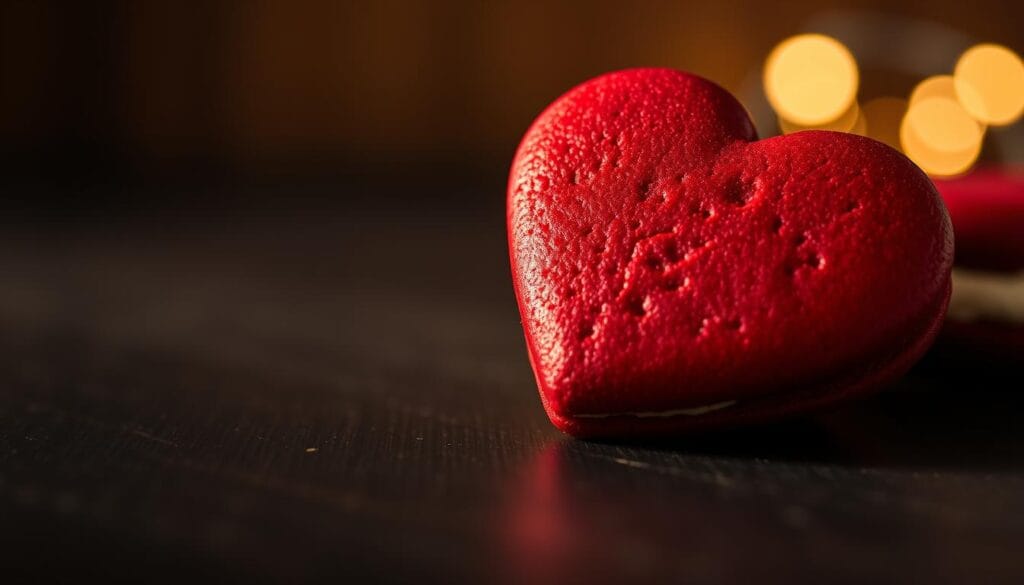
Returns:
(256, 319)
(123, 99)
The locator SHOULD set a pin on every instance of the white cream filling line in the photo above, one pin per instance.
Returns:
(694, 411)
(990, 296)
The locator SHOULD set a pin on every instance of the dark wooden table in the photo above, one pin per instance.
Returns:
(309, 391)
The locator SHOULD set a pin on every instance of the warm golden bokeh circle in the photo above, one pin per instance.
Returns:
(860, 125)
(989, 82)
(940, 136)
(934, 86)
(844, 123)
(811, 80)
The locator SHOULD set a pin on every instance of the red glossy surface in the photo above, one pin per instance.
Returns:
(987, 208)
(664, 258)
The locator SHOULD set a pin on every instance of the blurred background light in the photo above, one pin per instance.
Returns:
(846, 122)
(860, 125)
(940, 136)
(811, 80)
(989, 82)
(940, 86)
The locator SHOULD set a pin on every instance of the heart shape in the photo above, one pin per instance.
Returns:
(673, 272)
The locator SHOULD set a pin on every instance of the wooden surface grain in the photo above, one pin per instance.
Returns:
(319, 394)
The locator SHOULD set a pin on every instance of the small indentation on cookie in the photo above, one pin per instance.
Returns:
(671, 251)
(634, 224)
(654, 262)
(735, 324)
(586, 331)
(599, 249)
(675, 283)
(643, 190)
(851, 206)
(814, 261)
(586, 231)
(635, 306)
(777, 224)
(737, 192)
(800, 239)
(701, 211)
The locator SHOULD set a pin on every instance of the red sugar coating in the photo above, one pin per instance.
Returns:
(665, 259)
(987, 208)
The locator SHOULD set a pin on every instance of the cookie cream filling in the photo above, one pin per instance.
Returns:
(987, 296)
(695, 411)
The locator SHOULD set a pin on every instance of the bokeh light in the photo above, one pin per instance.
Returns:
(811, 80)
(883, 117)
(860, 125)
(989, 82)
(934, 86)
(844, 123)
(940, 136)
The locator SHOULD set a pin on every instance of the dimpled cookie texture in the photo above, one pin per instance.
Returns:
(674, 273)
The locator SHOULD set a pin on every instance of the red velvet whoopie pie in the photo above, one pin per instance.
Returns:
(674, 273)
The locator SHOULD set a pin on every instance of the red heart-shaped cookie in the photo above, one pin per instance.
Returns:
(673, 272)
